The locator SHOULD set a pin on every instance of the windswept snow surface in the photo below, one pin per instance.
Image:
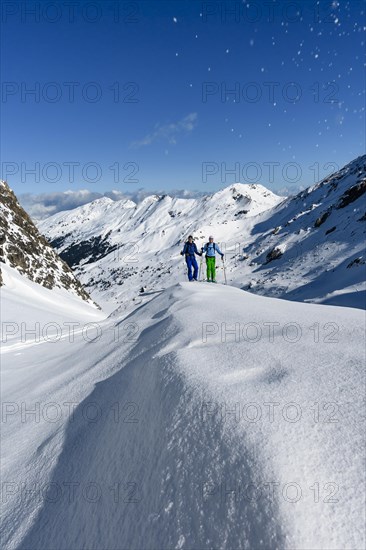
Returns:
(187, 435)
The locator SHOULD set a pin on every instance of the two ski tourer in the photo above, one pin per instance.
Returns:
(210, 249)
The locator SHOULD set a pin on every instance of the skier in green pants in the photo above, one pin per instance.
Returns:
(210, 249)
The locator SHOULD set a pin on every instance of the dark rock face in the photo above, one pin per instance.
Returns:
(241, 212)
(26, 250)
(356, 262)
(87, 251)
(331, 230)
(274, 254)
(319, 221)
(352, 194)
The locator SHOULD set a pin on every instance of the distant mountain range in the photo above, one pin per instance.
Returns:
(306, 247)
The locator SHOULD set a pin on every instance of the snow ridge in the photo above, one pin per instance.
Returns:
(199, 458)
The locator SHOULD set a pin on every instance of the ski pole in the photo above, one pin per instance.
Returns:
(223, 264)
(200, 273)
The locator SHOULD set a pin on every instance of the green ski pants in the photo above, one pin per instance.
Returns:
(211, 269)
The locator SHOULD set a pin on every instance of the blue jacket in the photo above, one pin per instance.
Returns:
(190, 249)
(211, 249)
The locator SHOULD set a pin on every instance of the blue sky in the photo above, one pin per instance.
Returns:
(180, 94)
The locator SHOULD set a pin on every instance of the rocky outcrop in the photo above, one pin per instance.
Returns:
(26, 250)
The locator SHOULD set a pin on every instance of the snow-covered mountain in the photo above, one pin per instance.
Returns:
(312, 246)
(117, 247)
(25, 250)
(306, 247)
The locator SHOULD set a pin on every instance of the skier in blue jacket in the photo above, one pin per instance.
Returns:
(189, 251)
(210, 249)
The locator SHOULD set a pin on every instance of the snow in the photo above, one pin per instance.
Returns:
(172, 411)
(23, 301)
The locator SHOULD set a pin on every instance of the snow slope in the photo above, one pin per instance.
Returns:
(46, 311)
(178, 414)
(43, 337)
(310, 247)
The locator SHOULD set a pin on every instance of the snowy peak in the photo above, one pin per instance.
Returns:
(255, 196)
(26, 250)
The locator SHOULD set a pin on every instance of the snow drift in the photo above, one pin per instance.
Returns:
(215, 419)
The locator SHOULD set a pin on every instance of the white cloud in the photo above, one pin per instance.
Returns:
(168, 132)
(46, 204)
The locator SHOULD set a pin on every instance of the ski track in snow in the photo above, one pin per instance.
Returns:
(175, 433)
